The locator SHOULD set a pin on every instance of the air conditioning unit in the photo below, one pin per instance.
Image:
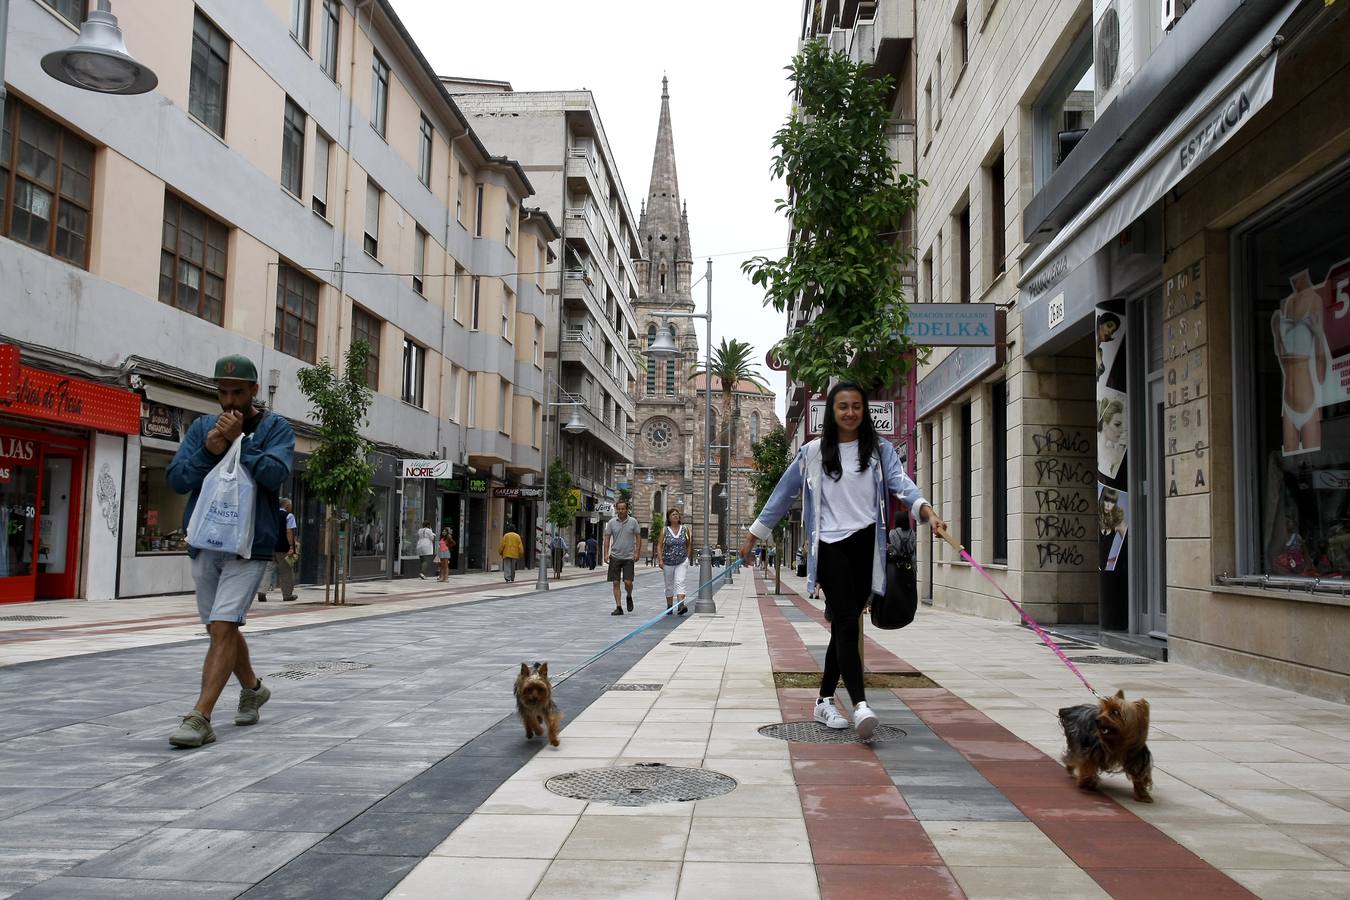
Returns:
(1106, 55)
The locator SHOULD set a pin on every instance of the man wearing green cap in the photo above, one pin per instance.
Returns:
(226, 583)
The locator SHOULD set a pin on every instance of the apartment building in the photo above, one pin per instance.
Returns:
(1157, 447)
(299, 179)
(591, 335)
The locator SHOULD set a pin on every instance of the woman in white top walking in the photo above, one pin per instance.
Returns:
(673, 553)
(426, 548)
(846, 476)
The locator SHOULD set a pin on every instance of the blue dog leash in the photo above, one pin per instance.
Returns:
(645, 625)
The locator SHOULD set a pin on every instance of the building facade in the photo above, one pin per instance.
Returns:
(590, 329)
(298, 180)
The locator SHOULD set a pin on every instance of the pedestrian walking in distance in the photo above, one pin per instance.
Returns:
(847, 476)
(623, 543)
(511, 550)
(443, 548)
(674, 550)
(559, 550)
(283, 558)
(426, 549)
(226, 583)
(592, 551)
(581, 553)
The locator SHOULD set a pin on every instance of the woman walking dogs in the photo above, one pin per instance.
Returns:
(674, 551)
(846, 475)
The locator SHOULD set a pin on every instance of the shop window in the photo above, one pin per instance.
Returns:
(370, 526)
(192, 260)
(210, 75)
(1065, 110)
(292, 147)
(46, 184)
(297, 326)
(1293, 356)
(414, 514)
(159, 508)
(379, 94)
(366, 327)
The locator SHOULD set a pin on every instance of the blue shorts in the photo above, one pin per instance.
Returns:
(226, 585)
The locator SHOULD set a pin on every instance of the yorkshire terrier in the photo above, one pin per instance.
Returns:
(534, 702)
(1109, 737)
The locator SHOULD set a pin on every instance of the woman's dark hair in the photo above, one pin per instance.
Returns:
(674, 510)
(829, 438)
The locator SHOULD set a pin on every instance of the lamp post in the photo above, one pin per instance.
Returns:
(663, 347)
(575, 425)
(98, 60)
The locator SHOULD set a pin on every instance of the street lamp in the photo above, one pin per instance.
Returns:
(575, 425)
(663, 347)
(98, 60)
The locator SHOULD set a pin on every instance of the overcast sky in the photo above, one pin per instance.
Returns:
(728, 94)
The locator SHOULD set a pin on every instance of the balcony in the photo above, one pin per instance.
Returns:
(578, 345)
(900, 141)
(580, 295)
(879, 35)
(616, 443)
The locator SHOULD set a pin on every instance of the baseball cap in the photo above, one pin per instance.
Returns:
(235, 367)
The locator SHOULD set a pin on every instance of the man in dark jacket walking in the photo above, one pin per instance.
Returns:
(226, 583)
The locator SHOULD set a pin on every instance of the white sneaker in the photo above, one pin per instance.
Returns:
(828, 715)
(864, 721)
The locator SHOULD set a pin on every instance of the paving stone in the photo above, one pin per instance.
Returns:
(74, 888)
(264, 811)
(205, 853)
(392, 834)
(324, 876)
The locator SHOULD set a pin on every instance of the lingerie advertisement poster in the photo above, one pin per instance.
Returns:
(1310, 333)
(1112, 463)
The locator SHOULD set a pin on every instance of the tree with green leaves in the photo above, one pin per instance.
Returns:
(339, 469)
(732, 362)
(844, 268)
(562, 503)
(773, 454)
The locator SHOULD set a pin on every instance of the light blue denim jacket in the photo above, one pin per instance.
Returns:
(806, 470)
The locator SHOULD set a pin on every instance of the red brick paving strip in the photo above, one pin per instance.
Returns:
(1125, 855)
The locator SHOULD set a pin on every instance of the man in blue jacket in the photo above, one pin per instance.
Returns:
(226, 583)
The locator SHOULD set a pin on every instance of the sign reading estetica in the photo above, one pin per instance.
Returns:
(426, 468)
(952, 324)
(882, 412)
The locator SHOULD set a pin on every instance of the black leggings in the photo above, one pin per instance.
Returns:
(844, 572)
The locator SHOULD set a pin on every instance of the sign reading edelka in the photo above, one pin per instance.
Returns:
(952, 324)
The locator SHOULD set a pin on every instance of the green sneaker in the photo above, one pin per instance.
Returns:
(194, 732)
(249, 701)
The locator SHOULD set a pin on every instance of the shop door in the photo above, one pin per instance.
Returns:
(1153, 600)
(20, 486)
(475, 536)
(59, 523)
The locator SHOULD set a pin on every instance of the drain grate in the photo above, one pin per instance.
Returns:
(644, 784)
(318, 667)
(1113, 660)
(29, 618)
(706, 644)
(634, 686)
(815, 733)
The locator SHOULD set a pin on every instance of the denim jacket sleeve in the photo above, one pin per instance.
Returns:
(193, 461)
(900, 484)
(271, 453)
(780, 501)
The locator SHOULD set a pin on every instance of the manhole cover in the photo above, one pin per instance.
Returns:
(644, 784)
(1112, 660)
(318, 667)
(634, 686)
(29, 618)
(706, 644)
(815, 733)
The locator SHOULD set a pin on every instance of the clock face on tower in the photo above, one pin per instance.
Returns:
(660, 433)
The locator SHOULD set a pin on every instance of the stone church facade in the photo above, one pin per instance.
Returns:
(668, 429)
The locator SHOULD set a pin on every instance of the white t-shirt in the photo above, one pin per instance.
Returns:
(426, 542)
(849, 504)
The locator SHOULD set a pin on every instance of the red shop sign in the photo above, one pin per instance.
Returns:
(51, 397)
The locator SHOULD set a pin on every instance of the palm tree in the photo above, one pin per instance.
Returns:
(732, 363)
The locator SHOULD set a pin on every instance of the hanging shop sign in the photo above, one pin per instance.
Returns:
(962, 368)
(52, 397)
(953, 324)
(426, 468)
(160, 421)
(519, 493)
(881, 411)
(478, 485)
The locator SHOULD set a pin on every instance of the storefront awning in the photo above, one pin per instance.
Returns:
(1218, 111)
(158, 393)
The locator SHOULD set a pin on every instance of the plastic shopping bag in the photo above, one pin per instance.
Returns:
(223, 517)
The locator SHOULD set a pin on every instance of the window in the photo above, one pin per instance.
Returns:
(328, 37)
(379, 94)
(510, 224)
(937, 84)
(457, 310)
(543, 263)
(478, 212)
(503, 407)
(373, 197)
(46, 199)
(73, 11)
(1065, 110)
(651, 362)
(159, 510)
(670, 378)
(539, 345)
(293, 147)
(962, 272)
(534, 424)
(424, 152)
(322, 150)
(998, 229)
(366, 327)
(475, 303)
(1293, 281)
(419, 259)
(455, 373)
(928, 277)
(998, 495)
(966, 535)
(297, 328)
(192, 261)
(300, 22)
(928, 113)
(961, 38)
(460, 195)
(370, 526)
(473, 401)
(508, 311)
(754, 428)
(210, 74)
(414, 370)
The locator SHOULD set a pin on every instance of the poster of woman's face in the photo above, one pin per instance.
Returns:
(1109, 340)
(1114, 509)
(1112, 433)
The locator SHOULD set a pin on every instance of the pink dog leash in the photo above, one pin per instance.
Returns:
(1035, 626)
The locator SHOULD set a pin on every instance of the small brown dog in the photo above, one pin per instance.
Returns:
(534, 702)
(1108, 737)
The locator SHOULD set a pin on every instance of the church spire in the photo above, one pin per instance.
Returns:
(664, 229)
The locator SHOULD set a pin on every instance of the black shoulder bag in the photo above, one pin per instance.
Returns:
(896, 607)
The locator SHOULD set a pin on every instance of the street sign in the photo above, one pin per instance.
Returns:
(952, 324)
(882, 412)
(519, 493)
(775, 361)
(426, 468)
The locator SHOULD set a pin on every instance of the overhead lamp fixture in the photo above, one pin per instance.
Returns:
(663, 344)
(98, 60)
(649, 479)
(575, 425)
